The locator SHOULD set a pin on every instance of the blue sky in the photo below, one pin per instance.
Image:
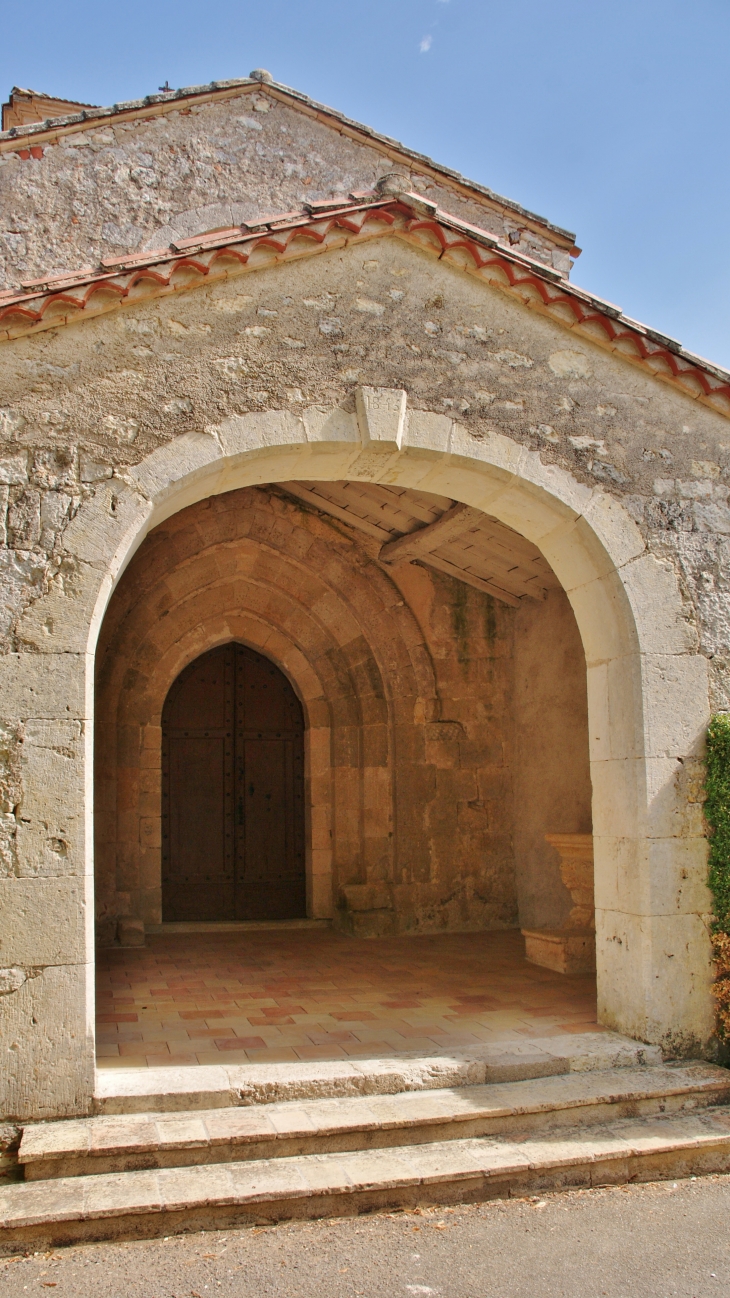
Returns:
(609, 117)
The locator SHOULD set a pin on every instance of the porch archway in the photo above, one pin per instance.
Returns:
(647, 684)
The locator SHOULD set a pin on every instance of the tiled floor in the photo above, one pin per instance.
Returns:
(285, 995)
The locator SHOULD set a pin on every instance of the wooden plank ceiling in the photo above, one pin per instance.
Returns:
(416, 527)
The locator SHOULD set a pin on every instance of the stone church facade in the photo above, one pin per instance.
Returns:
(271, 380)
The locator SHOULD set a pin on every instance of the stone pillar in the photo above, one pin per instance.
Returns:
(46, 906)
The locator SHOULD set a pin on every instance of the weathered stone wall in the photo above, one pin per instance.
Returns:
(511, 413)
(88, 400)
(85, 402)
(406, 682)
(115, 187)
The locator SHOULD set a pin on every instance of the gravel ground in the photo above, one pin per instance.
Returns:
(658, 1240)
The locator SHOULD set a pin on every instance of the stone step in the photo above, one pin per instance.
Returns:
(168, 1090)
(44, 1214)
(154, 1140)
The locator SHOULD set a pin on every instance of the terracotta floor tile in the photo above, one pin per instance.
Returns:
(240, 1043)
(133, 1047)
(457, 1040)
(201, 1014)
(258, 1020)
(372, 1050)
(581, 1027)
(171, 1061)
(298, 994)
(331, 1040)
(216, 1057)
(279, 1056)
(320, 1052)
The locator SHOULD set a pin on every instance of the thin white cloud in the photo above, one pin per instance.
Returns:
(425, 45)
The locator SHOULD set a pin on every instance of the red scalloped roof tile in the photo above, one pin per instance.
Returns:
(535, 285)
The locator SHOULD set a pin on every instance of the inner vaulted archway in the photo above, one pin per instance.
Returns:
(428, 792)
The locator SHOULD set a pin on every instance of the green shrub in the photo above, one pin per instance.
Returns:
(717, 814)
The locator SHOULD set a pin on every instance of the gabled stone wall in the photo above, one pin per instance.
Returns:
(115, 424)
(90, 400)
(116, 186)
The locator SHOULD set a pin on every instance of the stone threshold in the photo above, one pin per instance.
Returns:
(234, 926)
(193, 1087)
(144, 1204)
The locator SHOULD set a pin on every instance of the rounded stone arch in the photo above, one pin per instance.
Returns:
(648, 702)
(647, 684)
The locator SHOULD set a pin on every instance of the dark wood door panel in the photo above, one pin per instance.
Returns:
(202, 696)
(201, 885)
(265, 700)
(233, 791)
(269, 864)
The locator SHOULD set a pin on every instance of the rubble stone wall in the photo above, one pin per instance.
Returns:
(87, 401)
(117, 186)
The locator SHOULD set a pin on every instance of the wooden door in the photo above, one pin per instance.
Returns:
(232, 791)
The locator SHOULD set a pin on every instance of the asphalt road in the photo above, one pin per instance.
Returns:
(662, 1240)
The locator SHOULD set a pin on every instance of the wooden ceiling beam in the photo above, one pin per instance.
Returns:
(329, 507)
(419, 546)
(481, 554)
(469, 579)
(426, 539)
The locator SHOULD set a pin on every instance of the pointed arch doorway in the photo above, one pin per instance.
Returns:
(232, 791)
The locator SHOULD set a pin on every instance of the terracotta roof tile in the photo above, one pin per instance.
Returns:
(538, 287)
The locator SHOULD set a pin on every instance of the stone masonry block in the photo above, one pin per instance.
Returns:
(659, 876)
(614, 708)
(48, 688)
(47, 1032)
(43, 921)
(106, 525)
(674, 796)
(326, 425)
(188, 455)
(59, 621)
(241, 433)
(50, 813)
(676, 704)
